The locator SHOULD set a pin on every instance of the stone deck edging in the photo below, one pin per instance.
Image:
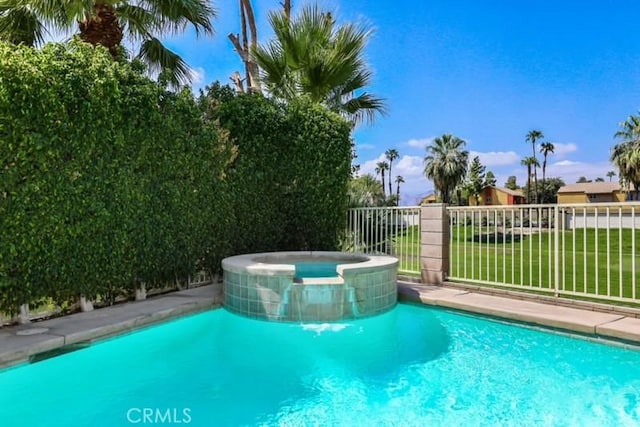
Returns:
(103, 323)
(110, 321)
(596, 323)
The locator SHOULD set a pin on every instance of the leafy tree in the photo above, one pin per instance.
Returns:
(582, 180)
(446, 164)
(511, 183)
(399, 180)
(490, 179)
(599, 179)
(545, 149)
(107, 23)
(626, 155)
(549, 192)
(610, 175)
(475, 178)
(532, 137)
(391, 154)
(312, 56)
(530, 163)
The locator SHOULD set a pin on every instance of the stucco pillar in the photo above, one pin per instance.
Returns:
(434, 243)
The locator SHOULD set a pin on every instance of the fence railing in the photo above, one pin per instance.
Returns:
(386, 230)
(588, 250)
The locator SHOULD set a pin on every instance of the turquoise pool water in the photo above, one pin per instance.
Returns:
(316, 269)
(413, 366)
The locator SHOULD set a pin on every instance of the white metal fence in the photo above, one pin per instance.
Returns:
(389, 230)
(588, 250)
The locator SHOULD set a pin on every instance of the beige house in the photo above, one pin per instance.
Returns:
(431, 198)
(592, 192)
(497, 196)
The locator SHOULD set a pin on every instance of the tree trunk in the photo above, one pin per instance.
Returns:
(102, 28)
(535, 171)
(544, 175)
(287, 8)
(535, 180)
(528, 184)
(390, 183)
(244, 46)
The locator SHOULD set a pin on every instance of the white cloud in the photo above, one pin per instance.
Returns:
(570, 170)
(561, 150)
(496, 158)
(406, 166)
(420, 142)
(409, 166)
(565, 163)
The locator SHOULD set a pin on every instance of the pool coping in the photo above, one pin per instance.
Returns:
(102, 323)
(282, 264)
(599, 324)
(111, 321)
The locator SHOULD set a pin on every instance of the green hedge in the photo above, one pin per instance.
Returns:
(106, 177)
(289, 182)
(108, 180)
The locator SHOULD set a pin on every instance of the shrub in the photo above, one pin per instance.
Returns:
(289, 181)
(107, 178)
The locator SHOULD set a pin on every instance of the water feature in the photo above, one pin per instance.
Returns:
(309, 286)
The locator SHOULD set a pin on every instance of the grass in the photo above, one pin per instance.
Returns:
(407, 250)
(528, 260)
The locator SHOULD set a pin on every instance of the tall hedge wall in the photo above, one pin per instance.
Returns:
(107, 180)
(289, 182)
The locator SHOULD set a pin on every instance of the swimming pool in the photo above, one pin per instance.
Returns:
(411, 366)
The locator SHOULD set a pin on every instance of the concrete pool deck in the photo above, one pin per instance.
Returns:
(621, 325)
(16, 347)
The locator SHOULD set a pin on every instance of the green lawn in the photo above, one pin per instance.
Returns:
(528, 260)
(407, 249)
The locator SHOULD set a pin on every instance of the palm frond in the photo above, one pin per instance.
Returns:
(21, 24)
(161, 59)
(176, 15)
(312, 56)
(364, 108)
(138, 21)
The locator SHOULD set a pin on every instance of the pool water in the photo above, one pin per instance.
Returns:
(413, 366)
(316, 269)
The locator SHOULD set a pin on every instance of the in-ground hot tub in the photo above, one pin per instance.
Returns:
(309, 286)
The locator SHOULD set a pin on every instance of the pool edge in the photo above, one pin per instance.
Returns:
(104, 323)
(609, 326)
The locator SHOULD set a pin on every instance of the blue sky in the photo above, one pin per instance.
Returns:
(486, 71)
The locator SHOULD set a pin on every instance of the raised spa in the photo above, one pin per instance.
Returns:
(309, 286)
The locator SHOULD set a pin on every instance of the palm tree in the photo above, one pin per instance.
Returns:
(532, 137)
(381, 167)
(107, 22)
(391, 155)
(312, 56)
(626, 155)
(365, 191)
(529, 162)
(446, 164)
(399, 180)
(545, 149)
(611, 174)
